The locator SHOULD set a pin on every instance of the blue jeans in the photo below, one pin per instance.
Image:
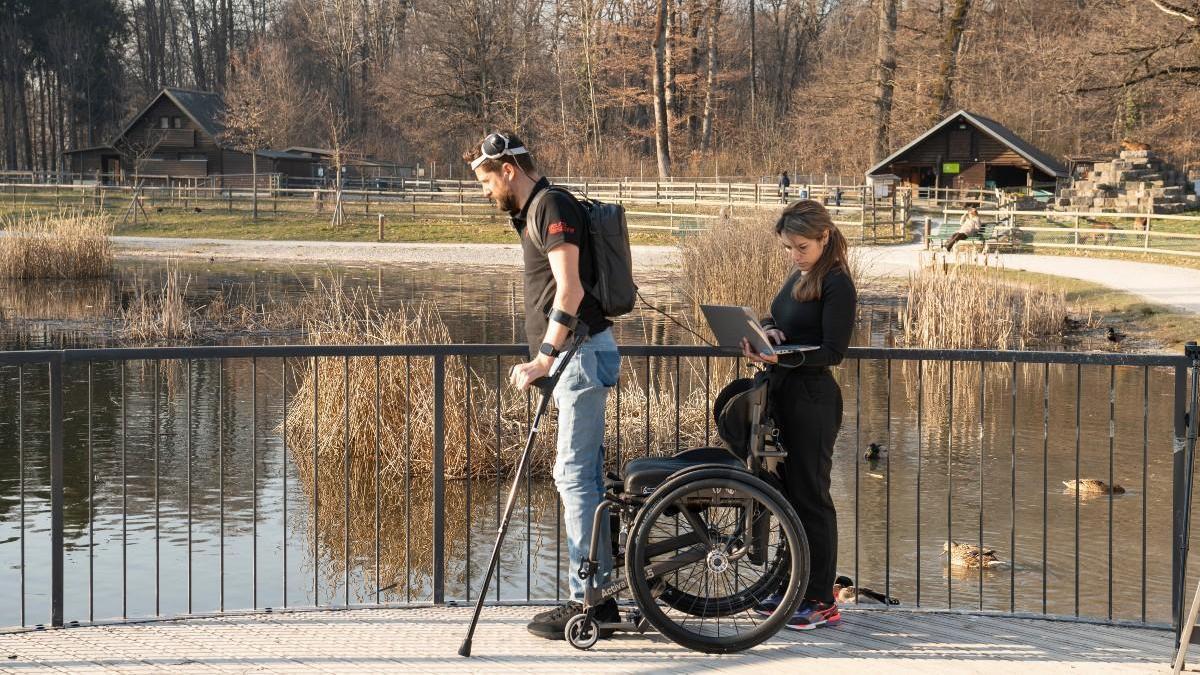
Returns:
(579, 463)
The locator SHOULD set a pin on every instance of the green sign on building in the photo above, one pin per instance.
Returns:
(949, 167)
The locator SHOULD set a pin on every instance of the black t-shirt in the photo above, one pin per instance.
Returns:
(828, 321)
(561, 221)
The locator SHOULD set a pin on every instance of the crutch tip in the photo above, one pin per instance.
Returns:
(465, 649)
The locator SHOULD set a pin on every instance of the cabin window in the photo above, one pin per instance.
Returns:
(164, 122)
(176, 123)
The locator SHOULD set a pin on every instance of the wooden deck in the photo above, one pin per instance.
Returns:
(427, 639)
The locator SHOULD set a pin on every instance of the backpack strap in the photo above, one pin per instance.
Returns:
(531, 224)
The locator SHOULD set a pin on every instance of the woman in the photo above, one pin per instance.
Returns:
(968, 225)
(815, 306)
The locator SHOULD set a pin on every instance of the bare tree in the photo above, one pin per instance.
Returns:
(943, 93)
(706, 126)
(247, 113)
(885, 74)
(136, 147)
(662, 133)
(336, 137)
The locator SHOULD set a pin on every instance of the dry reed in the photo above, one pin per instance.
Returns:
(741, 262)
(971, 307)
(155, 314)
(68, 246)
(406, 407)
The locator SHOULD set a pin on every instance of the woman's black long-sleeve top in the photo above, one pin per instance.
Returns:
(827, 321)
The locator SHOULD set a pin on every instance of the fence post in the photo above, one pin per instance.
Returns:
(56, 491)
(380, 227)
(927, 228)
(1147, 244)
(439, 479)
(656, 193)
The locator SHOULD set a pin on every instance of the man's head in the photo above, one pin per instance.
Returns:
(504, 168)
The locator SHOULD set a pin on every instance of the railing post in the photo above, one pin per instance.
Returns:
(439, 478)
(1179, 515)
(56, 492)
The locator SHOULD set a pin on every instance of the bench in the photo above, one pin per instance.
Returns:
(986, 237)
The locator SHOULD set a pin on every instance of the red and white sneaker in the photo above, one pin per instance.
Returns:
(814, 614)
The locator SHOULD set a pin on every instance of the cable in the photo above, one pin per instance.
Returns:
(677, 322)
(803, 356)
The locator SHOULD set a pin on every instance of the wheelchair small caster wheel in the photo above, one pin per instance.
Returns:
(582, 631)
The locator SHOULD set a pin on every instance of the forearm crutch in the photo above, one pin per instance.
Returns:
(546, 386)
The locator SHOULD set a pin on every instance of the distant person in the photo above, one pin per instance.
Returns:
(559, 268)
(784, 184)
(968, 225)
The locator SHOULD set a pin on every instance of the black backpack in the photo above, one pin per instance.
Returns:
(615, 288)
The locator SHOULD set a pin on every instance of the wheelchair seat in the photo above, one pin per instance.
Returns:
(644, 474)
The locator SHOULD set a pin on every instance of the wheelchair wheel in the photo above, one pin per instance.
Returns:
(767, 582)
(711, 545)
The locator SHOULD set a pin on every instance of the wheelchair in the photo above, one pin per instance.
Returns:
(701, 538)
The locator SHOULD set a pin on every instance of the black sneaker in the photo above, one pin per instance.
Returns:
(551, 623)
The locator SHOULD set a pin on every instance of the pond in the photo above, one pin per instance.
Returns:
(195, 504)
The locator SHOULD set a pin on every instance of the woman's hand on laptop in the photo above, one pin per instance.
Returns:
(776, 336)
(749, 352)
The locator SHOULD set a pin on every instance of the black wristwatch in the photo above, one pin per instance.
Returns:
(548, 349)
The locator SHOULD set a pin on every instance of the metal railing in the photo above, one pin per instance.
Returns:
(969, 432)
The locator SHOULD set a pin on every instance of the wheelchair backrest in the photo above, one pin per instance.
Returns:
(738, 408)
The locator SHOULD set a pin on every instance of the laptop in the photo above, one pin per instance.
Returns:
(731, 323)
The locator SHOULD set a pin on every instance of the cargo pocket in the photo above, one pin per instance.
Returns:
(608, 367)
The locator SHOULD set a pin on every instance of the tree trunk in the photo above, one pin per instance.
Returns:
(706, 126)
(943, 92)
(189, 8)
(23, 119)
(662, 132)
(885, 77)
(753, 63)
(672, 104)
(591, 83)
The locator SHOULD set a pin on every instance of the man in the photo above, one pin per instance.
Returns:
(784, 184)
(559, 266)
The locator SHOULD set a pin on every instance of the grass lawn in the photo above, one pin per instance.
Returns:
(216, 222)
(1125, 312)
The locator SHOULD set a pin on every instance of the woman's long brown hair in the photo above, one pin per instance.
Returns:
(811, 220)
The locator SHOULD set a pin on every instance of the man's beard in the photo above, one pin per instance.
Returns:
(508, 203)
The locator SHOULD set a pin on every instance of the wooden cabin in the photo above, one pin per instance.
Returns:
(970, 151)
(178, 134)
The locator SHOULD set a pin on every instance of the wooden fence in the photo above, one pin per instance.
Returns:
(1154, 233)
(675, 206)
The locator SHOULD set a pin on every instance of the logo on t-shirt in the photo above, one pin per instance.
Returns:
(561, 228)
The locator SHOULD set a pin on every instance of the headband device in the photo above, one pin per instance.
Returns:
(484, 155)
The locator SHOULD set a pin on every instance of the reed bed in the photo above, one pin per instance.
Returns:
(65, 246)
(741, 262)
(484, 433)
(159, 314)
(737, 262)
(972, 307)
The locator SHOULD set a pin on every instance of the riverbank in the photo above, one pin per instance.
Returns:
(491, 255)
